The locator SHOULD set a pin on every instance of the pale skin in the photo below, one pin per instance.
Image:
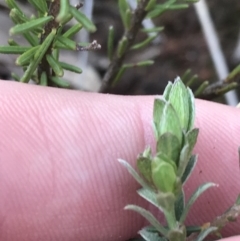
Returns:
(59, 175)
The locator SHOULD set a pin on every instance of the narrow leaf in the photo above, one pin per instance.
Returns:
(189, 168)
(123, 8)
(179, 205)
(13, 49)
(152, 30)
(73, 30)
(70, 44)
(144, 43)
(133, 173)
(167, 90)
(26, 57)
(15, 77)
(149, 195)
(55, 65)
(205, 233)
(59, 82)
(151, 236)
(151, 4)
(64, 10)
(110, 42)
(43, 79)
(151, 219)
(200, 190)
(28, 26)
(122, 46)
(38, 57)
(40, 5)
(12, 4)
(81, 18)
(70, 67)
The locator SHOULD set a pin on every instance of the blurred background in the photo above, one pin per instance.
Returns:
(182, 45)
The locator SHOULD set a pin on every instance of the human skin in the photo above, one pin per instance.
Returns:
(59, 175)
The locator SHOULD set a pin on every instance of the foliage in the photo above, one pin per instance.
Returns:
(44, 33)
(164, 174)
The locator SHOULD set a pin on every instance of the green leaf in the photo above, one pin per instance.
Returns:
(158, 108)
(123, 8)
(73, 30)
(158, 10)
(70, 44)
(167, 90)
(27, 56)
(151, 219)
(31, 25)
(64, 10)
(144, 43)
(43, 79)
(12, 4)
(119, 75)
(201, 88)
(238, 200)
(205, 233)
(122, 46)
(179, 98)
(179, 205)
(170, 122)
(55, 65)
(13, 49)
(70, 67)
(153, 30)
(128, 19)
(59, 82)
(18, 16)
(164, 174)
(191, 109)
(81, 18)
(38, 57)
(40, 5)
(110, 42)
(189, 168)
(151, 236)
(169, 145)
(15, 77)
(134, 174)
(144, 167)
(151, 4)
(12, 42)
(149, 195)
(186, 152)
(200, 190)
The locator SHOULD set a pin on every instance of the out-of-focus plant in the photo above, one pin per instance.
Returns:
(164, 174)
(132, 22)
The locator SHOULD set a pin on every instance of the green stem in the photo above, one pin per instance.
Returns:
(171, 218)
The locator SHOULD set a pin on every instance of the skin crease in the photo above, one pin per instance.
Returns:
(59, 175)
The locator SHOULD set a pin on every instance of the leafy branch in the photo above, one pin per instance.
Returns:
(44, 33)
(163, 175)
(132, 21)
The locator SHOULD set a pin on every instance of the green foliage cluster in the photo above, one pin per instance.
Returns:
(146, 9)
(164, 174)
(44, 33)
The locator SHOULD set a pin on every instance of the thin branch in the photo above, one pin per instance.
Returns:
(217, 89)
(214, 47)
(115, 65)
(230, 215)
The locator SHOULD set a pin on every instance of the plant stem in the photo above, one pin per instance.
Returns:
(54, 8)
(171, 218)
(115, 65)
